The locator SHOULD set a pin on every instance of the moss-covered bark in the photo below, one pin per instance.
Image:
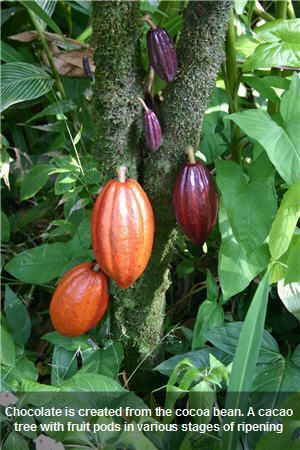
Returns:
(139, 310)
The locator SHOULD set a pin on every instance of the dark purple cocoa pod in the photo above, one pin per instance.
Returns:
(162, 54)
(87, 68)
(195, 201)
(152, 129)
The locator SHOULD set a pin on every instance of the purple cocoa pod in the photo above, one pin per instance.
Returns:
(153, 136)
(87, 68)
(162, 53)
(152, 130)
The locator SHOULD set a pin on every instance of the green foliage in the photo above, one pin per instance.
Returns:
(246, 356)
(279, 45)
(231, 323)
(21, 81)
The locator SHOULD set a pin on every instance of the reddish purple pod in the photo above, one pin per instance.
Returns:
(152, 129)
(161, 52)
(195, 200)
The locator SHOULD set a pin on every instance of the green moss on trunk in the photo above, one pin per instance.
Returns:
(139, 311)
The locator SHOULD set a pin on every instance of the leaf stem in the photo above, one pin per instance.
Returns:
(260, 12)
(48, 53)
(290, 10)
(280, 13)
(232, 81)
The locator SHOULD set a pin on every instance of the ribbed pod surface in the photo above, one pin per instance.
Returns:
(195, 201)
(122, 230)
(79, 301)
(162, 54)
(152, 130)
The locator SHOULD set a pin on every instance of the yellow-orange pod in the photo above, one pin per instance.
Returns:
(122, 229)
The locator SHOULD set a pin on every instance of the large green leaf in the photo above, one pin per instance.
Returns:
(292, 274)
(245, 358)
(42, 9)
(250, 201)
(34, 180)
(21, 81)
(281, 150)
(48, 6)
(235, 268)
(226, 339)
(10, 54)
(40, 264)
(285, 222)
(64, 365)
(290, 296)
(17, 317)
(280, 47)
(5, 227)
(7, 347)
(210, 314)
(290, 112)
(15, 441)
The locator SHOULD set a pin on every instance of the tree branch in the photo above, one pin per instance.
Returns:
(139, 311)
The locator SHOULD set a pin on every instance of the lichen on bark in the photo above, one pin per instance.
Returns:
(138, 312)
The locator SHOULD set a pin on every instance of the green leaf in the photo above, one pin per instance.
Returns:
(10, 54)
(34, 180)
(21, 81)
(280, 376)
(91, 383)
(105, 361)
(40, 264)
(5, 227)
(198, 358)
(290, 112)
(60, 107)
(17, 317)
(202, 396)
(290, 296)
(235, 268)
(250, 201)
(245, 358)
(7, 348)
(68, 343)
(239, 6)
(226, 339)
(36, 9)
(210, 315)
(15, 441)
(293, 271)
(211, 287)
(280, 48)
(282, 152)
(64, 365)
(262, 86)
(285, 222)
(48, 7)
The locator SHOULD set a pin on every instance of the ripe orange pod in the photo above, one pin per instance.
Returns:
(122, 229)
(80, 300)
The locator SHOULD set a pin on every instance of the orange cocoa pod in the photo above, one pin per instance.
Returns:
(122, 229)
(80, 300)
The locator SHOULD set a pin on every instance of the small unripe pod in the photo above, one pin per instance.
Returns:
(87, 68)
(153, 136)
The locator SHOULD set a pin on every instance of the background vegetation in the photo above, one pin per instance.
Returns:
(229, 311)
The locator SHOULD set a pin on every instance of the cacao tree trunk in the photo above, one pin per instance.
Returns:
(138, 312)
